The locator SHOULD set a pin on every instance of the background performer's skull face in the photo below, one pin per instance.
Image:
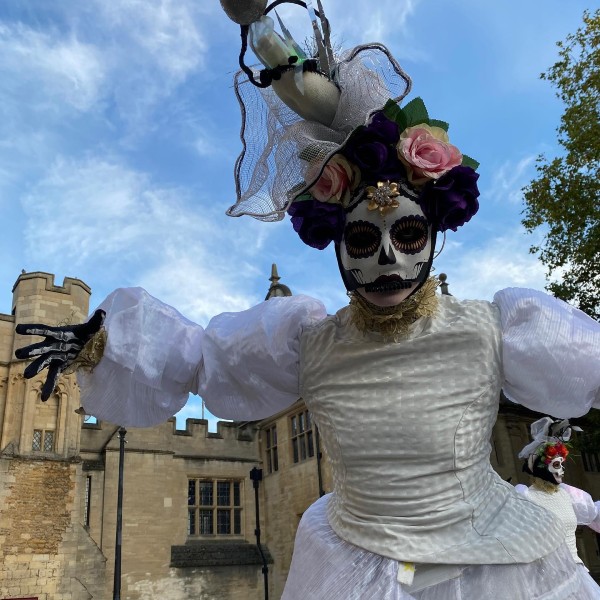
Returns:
(386, 255)
(557, 468)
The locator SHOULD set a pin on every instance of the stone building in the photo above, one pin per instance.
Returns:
(188, 510)
(45, 552)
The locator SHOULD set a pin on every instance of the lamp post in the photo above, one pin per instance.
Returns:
(119, 532)
(256, 477)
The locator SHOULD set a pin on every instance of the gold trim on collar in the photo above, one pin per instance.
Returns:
(394, 322)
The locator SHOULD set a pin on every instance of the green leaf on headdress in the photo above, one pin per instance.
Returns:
(441, 124)
(303, 197)
(394, 113)
(467, 161)
(415, 113)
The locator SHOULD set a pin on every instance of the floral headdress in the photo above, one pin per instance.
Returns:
(550, 442)
(320, 130)
(399, 151)
(550, 450)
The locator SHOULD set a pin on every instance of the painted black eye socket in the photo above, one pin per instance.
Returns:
(362, 239)
(409, 234)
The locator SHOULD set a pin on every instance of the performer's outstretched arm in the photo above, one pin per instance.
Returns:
(244, 365)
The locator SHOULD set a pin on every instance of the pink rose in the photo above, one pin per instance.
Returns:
(427, 153)
(338, 179)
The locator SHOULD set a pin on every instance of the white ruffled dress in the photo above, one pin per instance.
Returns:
(406, 426)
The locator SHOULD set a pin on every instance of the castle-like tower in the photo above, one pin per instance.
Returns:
(44, 551)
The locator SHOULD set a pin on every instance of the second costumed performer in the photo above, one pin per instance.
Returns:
(417, 512)
(545, 459)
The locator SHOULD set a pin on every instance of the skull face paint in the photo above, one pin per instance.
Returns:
(557, 468)
(386, 255)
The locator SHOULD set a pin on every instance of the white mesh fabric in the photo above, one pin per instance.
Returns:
(278, 145)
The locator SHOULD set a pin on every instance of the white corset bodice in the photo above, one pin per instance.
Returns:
(407, 428)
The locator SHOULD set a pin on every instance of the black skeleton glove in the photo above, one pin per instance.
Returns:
(60, 348)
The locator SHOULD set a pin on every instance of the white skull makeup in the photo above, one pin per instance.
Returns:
(557, 468)
(385, 251)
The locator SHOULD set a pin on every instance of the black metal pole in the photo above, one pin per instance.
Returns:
(119, 534)
(319, 457)
(256, 476)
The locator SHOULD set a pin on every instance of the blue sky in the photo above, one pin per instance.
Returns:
(119, 130)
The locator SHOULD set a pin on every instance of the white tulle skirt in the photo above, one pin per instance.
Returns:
(325, 567)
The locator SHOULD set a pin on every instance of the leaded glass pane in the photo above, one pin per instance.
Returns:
(274, 436)
(191, 522)
(206, 522)
(206, 493)
(48, 441)
(237, 521)
(308, 420)
(275, 460)
(295, 449)
(302, 427)
(268, 438)
(223, 522)
(236, 493)
(302, 441)
(37, 440)
(223, 493)
(191, 492)
(294, 426)
(309, 441)
(87, 500)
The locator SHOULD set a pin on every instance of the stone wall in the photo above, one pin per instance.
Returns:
(42, 546)
(158, 462)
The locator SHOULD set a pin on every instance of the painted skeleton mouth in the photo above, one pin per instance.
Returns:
(388, 283)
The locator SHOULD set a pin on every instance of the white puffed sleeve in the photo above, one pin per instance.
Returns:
(551, 353)
(245, 365)
(250, 359)
(586, 510)
(149, 363)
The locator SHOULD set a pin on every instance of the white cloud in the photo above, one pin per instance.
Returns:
(509, 179)
(163, 35)
(502, 261)
(96, 215)
(379, 21)
(53, 72)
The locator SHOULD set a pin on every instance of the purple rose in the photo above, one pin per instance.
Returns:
(372, 148)
(317, 223)
(451, 200)
(387, 129)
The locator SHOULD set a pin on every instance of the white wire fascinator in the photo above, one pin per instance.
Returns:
(545, 455)
(318, 127)
(548, 430)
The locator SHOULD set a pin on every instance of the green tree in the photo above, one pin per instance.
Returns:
(563, 199)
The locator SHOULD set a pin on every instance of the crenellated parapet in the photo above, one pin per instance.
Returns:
(35, 428)
(231, 441)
